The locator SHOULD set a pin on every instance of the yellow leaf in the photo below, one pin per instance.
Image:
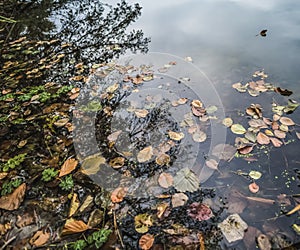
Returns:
(74, 226)
(74, 205)
(294, 210)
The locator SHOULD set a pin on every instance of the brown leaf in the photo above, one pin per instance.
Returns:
(179, 199)
(114, 136)
(176, 136)
(74, 204)
(117, 162)
(264, 242)
(253, 187)
(141, 113)
(279, 134)
(162, 209)
(13, 201)
(276, 143)
(68, 166)
(284, 92)
(74, 226)
(145, 154)
(162, 159)
(212, 163)
(146, 241)
(165, 180)
(118, 194)
(245, 149)
(286, 121)
(262, 200)
(199, 136)
(137, 80)
(199, 211)
(24, 220)
(39, 238)
(263, 139)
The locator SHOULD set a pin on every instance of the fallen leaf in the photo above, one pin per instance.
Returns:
(284, 92)
(74, 226)
(257, 123)
(162, 159)
(118, 194)
(262, 200)
(245, 149)
(145, 154)
(13, 201)
(294, 210)
(142, 222)
(117, 162)
(255, 175)
(61, 122)
(279, 134)
(95, 218)
(286, 121)
(114, 136)
(4, 228)
(264, 242)
(137, 80)
(176, 136)
(87, 201)
(227, 122)
(39, 238)
(165, 180)
(146, 241)
(262, 139)
(186, 180)
(162, 210)
(91, 165)
(179, 199)
(212, 163)
(199, 211)
(224, 151)
(238, 129)
(298, 135)
(233, 228)
(111, 89)
(74, 205)
(211, 109)
(240, 87)
(141, 113)
(25, 220)
(276, 142)
(68, 166)
(199, 136)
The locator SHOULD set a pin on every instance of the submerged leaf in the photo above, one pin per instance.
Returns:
(162, 159)
(224, 151)
(145, 154)
(186, 180)
(165, 180)
(199, 211)
(142, 222)
(227, 122)
(199, 136)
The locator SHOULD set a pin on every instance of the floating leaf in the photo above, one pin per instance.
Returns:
(117, 162)
(74, 226)
(284, 92)
(253, 187)
(199, 211)
(179, 199)
(279, 134)
(250, 136)
(286, 121)
(111, 89)
(162, 159)
(269, 132)
(146, 241)
(276, 143)
(262, 139)
(238, 129)
(264, 242)
(254, 110)
(91, 165)
(114, 136)
(68, 166)
(13, 201)
(227, 122)
(298, 135)
(186, 180)
(224, 151)
(212, 163)
(141, 113)
(291, 106)
(257, 123)
(294, 210)
(199, 136)
(179, 102)
(197, 104)
(233, 228)
(118, 194)
(296, 228)
(245, 149)
(39, 238)
(137, 80)
(145, 154)
(211, 109)
(165, 180)
(240, 87)
(142, 222)
(255, 175)
(176, 136)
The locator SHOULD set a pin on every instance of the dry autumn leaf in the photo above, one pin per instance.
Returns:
(13, 201)
(165, 180)
(74, 226)
(179, 199)
(163, 159)
(176, 136)
(146, 241)
(68, 166)
(118, 194)
(145, 154)
(117, 162)
(287, 121)
(74, 205)
(39, 238)
(262, 139)
(141, 113)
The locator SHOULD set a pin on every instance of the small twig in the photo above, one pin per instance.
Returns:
(7, 242)
(117, 229)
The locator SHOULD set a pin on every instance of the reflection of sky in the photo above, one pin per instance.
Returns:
(221, 34)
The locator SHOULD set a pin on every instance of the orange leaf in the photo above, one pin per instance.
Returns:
(13, 201)
(165, 180)
(276, 142)
(262, 138)
(68, 166)
(39, 238)
(253, 187)
(146, 241)
(118, 194)
(287, 121)
(74, 226)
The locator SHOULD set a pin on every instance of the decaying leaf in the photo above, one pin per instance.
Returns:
(179, 199)
(284, 92)
(162, 159)
(117, 162)
(199, 211)
(4, 228)
(199, 136)
(176, 136)
(245, 149)
(264, 242)
(186, 180)
(238, 129)
(294, 210)
(74, 204)
(61, 122)
(39, 238)
(142, 222)
(141, 113)
(211, 109)
(224, 151)
(177, 229)
(165, 180)
(74, 226)
(118, 194)
(227, 122)
(96, 217)
(114, 136)
(240, 87)
(111, 89)
(253, 187)
(287, 121)
(91, 165)
(233, 228)
(87, 201)
(162, 209)
(68, 166)
(255, 175)
(13, 201)
(276, 142)
(145, 154)
(179, 102)
(212, 163)
(262, 138)
(146, 241)
(255, 111)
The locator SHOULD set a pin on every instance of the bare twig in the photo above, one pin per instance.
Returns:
(7, 242)
(117, 230)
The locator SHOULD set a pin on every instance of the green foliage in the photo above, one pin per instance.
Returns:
(79, 245)
(49, 173)
(99, 237)
(13, 162)
(9, 186)
(67, 183)
(93, 105)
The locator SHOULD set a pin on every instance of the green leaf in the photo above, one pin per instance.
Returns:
(255, 175)
(186, 180)
(238, 129)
